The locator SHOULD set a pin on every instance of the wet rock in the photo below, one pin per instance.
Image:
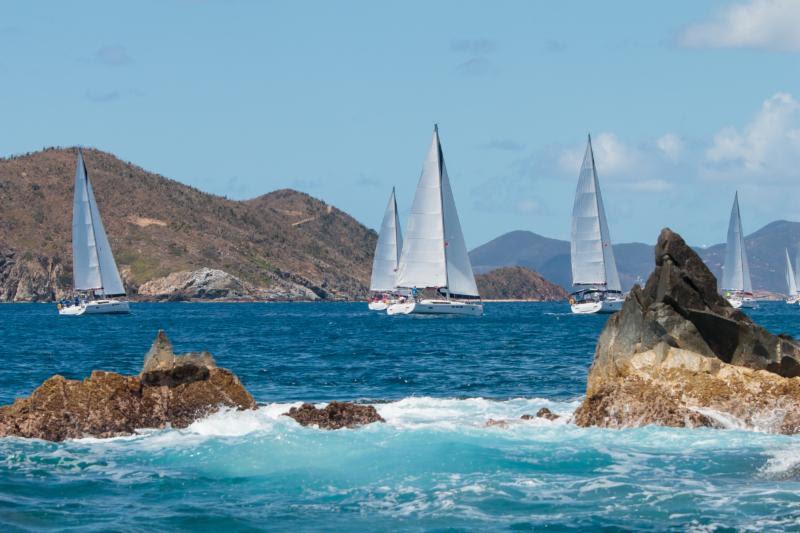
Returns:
(544, 412)
(677, 353)
(492, 422)
(335, 415)
(172, 390)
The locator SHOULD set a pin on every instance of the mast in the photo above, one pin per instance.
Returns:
(398, 237)
(91, 218)
(441, 203)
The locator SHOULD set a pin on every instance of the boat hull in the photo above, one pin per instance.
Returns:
(742, 303)
(600, 307)
(435, 307)
(96, 307)
(378, 306)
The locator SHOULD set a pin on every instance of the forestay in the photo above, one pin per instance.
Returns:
(736, 272)
(434, 253)
(591, 252)
(387, 250)
(93, 266)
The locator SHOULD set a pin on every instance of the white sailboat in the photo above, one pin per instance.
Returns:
(383, 282)
(95, 275)
(736, 285)
(434, 254)
(791, 281)
(594, 271)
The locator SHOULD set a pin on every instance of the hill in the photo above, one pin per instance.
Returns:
(550, 257)
(517, 283)
(285, 242)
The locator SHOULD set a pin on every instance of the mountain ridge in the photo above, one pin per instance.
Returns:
(634, 260)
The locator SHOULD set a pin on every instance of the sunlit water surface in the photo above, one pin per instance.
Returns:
(434, 464)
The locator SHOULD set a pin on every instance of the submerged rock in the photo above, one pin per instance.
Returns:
(172, 390)
(678, 354)
(335, 415)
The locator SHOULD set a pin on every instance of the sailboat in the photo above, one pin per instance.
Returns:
(383, 283)
(434, 254)
(95, 275)
(736, 285)
(594, 271)
(791, 281)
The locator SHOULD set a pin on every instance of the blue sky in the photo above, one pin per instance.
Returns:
(687, 101)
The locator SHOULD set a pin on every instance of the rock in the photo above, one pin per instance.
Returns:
(28, 277)
(677, 354)
(171, 391)
(544, 412)
(214, 284)
(492, 422)
(335, 415)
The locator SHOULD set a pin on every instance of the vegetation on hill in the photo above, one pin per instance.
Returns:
(158, 226)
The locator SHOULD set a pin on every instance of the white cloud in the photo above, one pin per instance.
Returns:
(767, 24)
(768, 146)
(670, 145)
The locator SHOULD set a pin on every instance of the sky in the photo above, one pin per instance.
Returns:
(687, 101)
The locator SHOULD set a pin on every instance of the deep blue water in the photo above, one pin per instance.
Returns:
(433, 466)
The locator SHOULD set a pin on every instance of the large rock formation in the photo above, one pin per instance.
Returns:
(335, 415)
(172, 390)
(215, 284)
(678, 354)
(518, 283)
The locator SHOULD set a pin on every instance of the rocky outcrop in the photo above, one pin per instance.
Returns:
(335, 415)
(214, 284)
(30, 278)
(518, 283)
(172, 390)
(678, 354)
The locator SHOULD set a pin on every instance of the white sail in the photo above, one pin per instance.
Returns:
(736, 272)
(434, 253)
(791, 281)
(797, 269)
(93, 266)
(591, 251)
(387, 250)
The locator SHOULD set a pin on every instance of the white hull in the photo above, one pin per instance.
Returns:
(435, 307)
(378, 306)
(792, 301)
(96, 307)
(742, 303)
(603, 306)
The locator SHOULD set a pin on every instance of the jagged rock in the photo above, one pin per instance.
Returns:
(677, 353)
(171, 391)
(544, 412)
(335, 415)
(209, 283)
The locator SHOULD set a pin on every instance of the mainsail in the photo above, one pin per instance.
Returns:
(591, 252)
(791, 281)
(93, 266)
(434, 253)
(387, 251)
(736, 272)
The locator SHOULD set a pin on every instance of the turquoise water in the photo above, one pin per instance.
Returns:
(433, 466)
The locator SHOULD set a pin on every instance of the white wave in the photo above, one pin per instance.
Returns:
(453, 414)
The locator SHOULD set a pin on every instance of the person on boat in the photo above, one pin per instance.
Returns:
(414, 292)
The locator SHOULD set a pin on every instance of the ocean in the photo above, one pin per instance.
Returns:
(434, 465)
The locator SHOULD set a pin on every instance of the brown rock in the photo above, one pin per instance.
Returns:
(171, 391)
(677, 352)
(335, 415)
